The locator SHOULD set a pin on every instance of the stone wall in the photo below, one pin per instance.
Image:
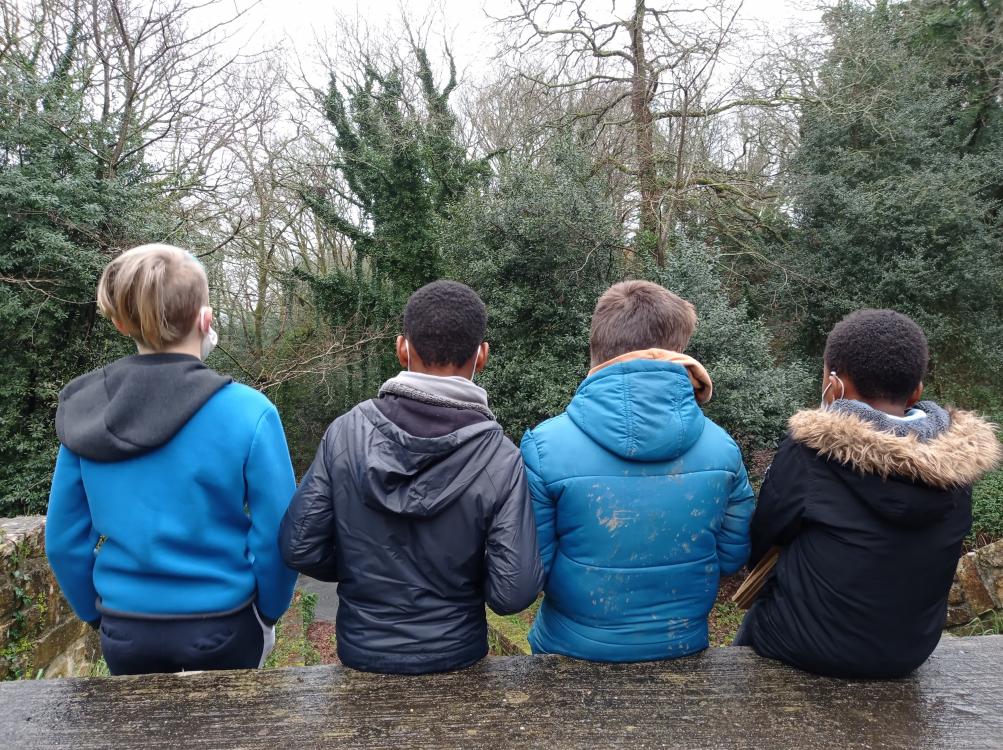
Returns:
(978, 585)
(39, 634)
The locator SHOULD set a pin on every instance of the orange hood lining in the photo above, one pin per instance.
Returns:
(703, 388)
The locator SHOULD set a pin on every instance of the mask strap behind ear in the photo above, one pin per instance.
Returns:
(842, 386)
(407, 346)
(474, 371)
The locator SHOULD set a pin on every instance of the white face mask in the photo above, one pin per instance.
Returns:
(210, 338)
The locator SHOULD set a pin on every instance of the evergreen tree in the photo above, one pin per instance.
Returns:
(899, 181)
(539, 246)
(62, 219)
(399, 166)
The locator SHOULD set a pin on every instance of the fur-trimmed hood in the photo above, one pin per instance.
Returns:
(956, 458)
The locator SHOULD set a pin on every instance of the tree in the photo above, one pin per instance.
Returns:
(63, 215)
(898, 182)
(656, 71)
(539, 246)
(95, 97)
(397, 168)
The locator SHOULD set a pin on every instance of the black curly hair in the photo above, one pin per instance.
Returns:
(884, 352)
(445, 321)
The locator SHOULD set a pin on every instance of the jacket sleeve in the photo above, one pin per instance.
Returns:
(733, 538)
(544, 506)
(308, 530)
(270, 483)
(514, 573)
(70, 537)
(781, 501)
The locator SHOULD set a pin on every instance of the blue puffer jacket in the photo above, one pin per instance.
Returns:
(641, 504)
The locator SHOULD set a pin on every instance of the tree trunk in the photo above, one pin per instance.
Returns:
(644, 133)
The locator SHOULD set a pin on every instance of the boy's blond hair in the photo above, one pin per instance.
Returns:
(636, 315)
(154, 292)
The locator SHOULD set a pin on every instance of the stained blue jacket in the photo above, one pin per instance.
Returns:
(641, 504)
(185, 475)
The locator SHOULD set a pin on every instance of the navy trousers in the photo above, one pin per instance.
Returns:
(142, 646)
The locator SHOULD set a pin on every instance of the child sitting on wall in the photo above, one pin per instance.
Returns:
(869, 499)
(641, 501)
(182, 472)
(417, 503)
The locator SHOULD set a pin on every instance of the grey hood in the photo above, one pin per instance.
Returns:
(422, 476)
(133, 405)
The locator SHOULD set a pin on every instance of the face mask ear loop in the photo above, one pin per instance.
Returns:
(825, 390)
(842, 387)
(407, 346)
(474, 371)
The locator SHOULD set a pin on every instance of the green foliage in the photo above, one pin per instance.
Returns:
(987, 510)
(62, 220)
(540, 245)
(753, 395)
(898, 183)
(725, 620)
(292, 643)
(400, 165)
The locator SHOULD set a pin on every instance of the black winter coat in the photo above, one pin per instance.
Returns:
(420, 527)
(870, 526)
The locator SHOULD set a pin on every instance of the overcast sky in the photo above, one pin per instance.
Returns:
(299, 24)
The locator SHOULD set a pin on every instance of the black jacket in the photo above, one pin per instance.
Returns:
(870, 527)
(422, 514)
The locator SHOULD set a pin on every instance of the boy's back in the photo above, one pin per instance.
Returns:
(417, 504)
(641, 502)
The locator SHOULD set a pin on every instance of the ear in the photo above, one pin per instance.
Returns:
(830, 387)
(916, 396)
(482, 356)
(204, 322)
(119, 327)
(402, 348)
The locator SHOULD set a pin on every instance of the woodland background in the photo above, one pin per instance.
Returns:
(779, 179)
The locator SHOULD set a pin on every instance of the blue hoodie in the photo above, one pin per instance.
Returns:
(641, 503)
(183, 477)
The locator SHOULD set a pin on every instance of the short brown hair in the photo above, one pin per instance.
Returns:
(154, 292)
(635, 315)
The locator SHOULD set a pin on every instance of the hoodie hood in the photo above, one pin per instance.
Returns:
(640, 410)
(903, 478)
(134, 405)
(422, 476)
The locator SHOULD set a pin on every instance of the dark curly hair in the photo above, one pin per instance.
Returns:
(884, 352)
(445, 322)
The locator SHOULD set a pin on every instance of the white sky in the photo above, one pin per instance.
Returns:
(297, 25)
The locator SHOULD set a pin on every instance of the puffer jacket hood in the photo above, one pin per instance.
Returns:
(420, 476)
(641, 503)
(134, 405)
(958, 457)
(640, 410)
